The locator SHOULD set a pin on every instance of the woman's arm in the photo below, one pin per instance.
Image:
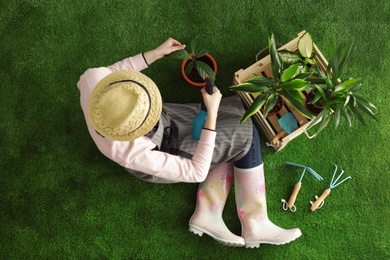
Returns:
(143, 60)
(139, 155)
(165, 48)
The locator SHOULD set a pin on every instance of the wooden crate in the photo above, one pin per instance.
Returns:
(270, 126)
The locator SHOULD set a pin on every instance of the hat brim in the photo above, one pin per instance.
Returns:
(130, 132)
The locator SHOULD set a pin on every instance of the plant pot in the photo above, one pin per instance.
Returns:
(194, 78)
(313, 108)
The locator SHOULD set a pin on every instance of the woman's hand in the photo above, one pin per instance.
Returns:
(167, 47)
(211, 101)
(212, 104)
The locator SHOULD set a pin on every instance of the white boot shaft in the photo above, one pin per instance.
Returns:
(211, 200)
(252, 210)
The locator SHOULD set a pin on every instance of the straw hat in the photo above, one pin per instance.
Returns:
(124, 105)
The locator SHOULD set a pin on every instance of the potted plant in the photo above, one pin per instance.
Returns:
(334, 94)
(197, 64)
(305, 55)
(285, 83)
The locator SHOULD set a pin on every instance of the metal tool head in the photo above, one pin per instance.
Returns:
(334, 182)
(310, 170)
(315, 174)
(300, 166)
(295, 164)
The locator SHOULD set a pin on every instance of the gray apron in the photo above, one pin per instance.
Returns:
(174, 133)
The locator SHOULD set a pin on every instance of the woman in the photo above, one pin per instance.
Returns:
(130, 125)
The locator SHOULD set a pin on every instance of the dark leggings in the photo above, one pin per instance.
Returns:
(253, 156)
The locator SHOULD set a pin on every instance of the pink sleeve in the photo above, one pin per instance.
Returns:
(136, 63)
(140, 156)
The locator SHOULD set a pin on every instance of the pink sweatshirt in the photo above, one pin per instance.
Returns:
(139, 154)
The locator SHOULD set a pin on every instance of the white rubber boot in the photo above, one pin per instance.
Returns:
(252, 210)
(211, 199)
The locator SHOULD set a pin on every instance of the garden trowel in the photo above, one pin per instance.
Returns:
(288, 123)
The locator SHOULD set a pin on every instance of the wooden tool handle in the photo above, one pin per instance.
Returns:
(318, 202)
(280, 135)
(294, 195)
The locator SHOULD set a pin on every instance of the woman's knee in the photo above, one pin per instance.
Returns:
(253, 157)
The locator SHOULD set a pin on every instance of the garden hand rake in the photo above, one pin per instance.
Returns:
(290, 204)
(333, 184)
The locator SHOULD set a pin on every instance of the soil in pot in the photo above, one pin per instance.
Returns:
(314, 109)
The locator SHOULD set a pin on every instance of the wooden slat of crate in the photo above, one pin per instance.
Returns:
(270, 126)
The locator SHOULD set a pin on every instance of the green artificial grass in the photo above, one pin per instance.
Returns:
(62, 199)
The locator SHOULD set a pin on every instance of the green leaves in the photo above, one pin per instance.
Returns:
(276, 61)
(270, 103)
(262, 81)
(339, 60)
(305, 45)
(346, 85)
(289, 57)
(295, 99)
(250, 88)
(346, 105)
(322, 118)
(291, 72)
(189, 67)
(254, 107)
(295, 84)
(365, 106)
(197, 49)
(254, 85)
(180, 55)
(205, 70)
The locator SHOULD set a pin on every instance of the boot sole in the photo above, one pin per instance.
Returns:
(198, 231)
(257, 243)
